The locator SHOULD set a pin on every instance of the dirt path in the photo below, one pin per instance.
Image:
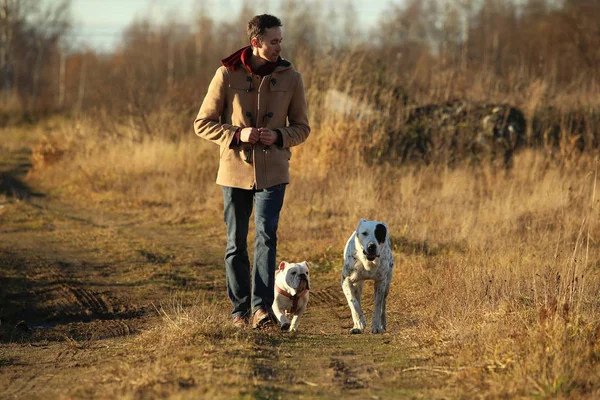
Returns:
(80, 298)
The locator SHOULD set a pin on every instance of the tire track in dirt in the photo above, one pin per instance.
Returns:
(53, 302)
(90, 302)
(69, 293)
(56, 292)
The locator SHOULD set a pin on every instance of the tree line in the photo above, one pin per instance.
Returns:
(431, 50)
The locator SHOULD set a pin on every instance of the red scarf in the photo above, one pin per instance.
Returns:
(243, 56)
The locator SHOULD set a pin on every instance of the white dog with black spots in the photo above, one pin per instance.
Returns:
(368, 256)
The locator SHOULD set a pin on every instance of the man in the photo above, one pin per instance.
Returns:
(249, 100)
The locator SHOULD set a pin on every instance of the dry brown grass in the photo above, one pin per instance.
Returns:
(497, 283)
(497, 271)
(183, 351)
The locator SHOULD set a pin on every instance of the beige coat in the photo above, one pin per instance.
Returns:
(240, 99)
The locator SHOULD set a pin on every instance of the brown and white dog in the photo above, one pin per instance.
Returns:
(368, 256)
(292, 284)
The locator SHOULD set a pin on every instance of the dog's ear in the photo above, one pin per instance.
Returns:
(360, 222)
(380, 233)
(282, 265)
(306, 263)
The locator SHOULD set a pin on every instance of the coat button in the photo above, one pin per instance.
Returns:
(248, 114)
(268, 115)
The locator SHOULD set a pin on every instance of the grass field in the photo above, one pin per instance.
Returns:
(115, 285)
(112, 282)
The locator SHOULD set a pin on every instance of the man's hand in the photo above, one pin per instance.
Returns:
(249, 135)
(267, 136)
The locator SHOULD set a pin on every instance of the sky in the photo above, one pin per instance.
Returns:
(98, 23)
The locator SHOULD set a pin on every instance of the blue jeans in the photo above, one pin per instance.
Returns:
(249, 290)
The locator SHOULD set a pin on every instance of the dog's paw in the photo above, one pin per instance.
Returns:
(355, 331)
(377, 330)
(285, 327)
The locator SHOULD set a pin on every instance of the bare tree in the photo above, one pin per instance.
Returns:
(29, 35)
(6, 33)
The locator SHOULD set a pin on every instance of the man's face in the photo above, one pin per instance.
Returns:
(270, 46)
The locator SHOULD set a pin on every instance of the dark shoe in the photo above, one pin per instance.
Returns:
(261, 319)
(240, 321)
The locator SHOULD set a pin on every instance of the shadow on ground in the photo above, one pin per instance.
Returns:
(40, 301)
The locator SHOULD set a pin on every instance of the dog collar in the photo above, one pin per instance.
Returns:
(294, 297)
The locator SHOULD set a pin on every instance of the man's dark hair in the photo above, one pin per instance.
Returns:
(259, 24)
